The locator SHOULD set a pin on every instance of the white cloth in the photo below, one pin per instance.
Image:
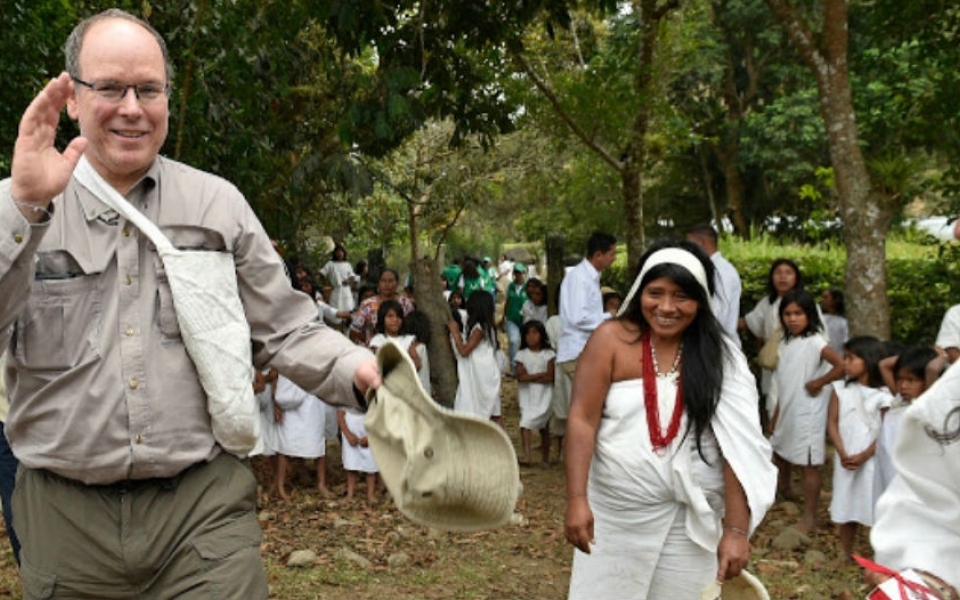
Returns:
(800, 433)
(380, 339)
(531, 312)
(405, 341)
(858, 420)
(301, 433)
(327, 313)
(949, 334)
(267, 444)
(535, 398)
(636, 494)
(479, 389)
(581, 308)
(561, 383)
(726, 304)
(340, 275)
(838, 331)
(762, 322)
(357, 458)
(884, 471)
(918, 517)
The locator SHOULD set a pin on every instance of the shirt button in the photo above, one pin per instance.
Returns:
(126, 232)
(139, 439)
(134, 384)
(128, 281)
(129, 330)
(18, 237)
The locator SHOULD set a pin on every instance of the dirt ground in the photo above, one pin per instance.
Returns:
(365, 552)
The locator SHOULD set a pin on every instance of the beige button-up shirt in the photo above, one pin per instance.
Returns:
(101, 387)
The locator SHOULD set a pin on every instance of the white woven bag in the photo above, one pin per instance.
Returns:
(213, 326)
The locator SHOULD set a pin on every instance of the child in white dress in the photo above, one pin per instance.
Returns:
(264, 384)
(907, 374)
(479, 389)
(853, 425)
(799, 396)
(340, 276)
(535, 372)
(561, 388)
(300, 433)
(535, 308)
(356, 455)
(416, 325)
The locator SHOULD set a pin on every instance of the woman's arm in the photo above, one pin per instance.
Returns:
(476, 336)
(733, 552)
(886, 372)
(590, 386)
(833, 425)
(415, 355)
(548, 375)
(814, 386)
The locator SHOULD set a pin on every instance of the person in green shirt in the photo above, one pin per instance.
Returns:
(513, 319)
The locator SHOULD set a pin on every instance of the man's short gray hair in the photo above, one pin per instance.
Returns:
(71, 48)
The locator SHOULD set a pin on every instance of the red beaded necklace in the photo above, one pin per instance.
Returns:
(658, 439)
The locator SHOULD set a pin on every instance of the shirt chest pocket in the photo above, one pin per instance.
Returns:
(60, 327)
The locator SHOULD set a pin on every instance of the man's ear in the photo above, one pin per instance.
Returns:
(73, 108)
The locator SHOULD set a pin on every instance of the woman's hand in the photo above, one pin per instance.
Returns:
(579, 523)
(733, 554)
(814, 387)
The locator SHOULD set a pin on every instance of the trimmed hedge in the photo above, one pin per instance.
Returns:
(923, 281)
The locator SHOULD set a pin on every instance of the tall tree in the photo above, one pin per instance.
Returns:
(865, 210)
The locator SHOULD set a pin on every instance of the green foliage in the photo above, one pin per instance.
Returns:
(923, 280)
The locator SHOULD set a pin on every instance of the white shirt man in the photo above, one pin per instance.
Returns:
(726, 298)
(581, 304)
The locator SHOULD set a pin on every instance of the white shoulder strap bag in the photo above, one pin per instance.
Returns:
(212, 322)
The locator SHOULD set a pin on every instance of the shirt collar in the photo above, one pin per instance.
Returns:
(94, 208)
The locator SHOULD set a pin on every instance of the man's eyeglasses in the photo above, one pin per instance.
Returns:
(114, 91)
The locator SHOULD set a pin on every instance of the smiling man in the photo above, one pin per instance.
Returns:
(123, 491)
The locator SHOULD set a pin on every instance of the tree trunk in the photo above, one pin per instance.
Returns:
(555, 249)
(635, 154)
(864, 212)
(429, 297)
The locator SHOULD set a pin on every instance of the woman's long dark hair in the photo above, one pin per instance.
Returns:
(808, 304)
(772, 291)
(481, 311)
(704, 351)
(385, 307)
(871, 351)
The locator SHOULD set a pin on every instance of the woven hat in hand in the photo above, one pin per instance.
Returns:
(444, 469)
(742, 587)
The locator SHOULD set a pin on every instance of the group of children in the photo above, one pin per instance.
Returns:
(855, 400)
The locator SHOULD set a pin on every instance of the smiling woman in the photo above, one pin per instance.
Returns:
(667, 469)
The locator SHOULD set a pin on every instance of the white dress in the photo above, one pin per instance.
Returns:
(535, 398)
(357, 458)
(800, 433)
(405, 341)
(561, 383)
(301, 433)
(838, 331)
(340, 274)
(918, 517)
(859, 423)
(267, 445)
(479, 390)
(762, 322)
(657, 516)
(531, 312)
(884, 471)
